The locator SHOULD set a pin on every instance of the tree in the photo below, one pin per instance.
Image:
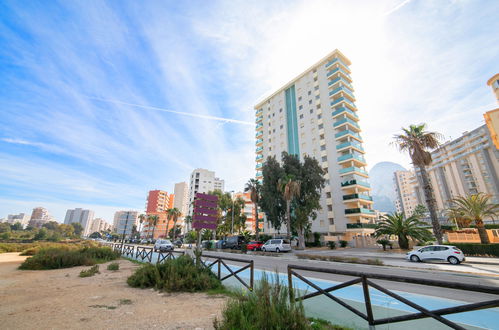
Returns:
(397, 224)
(458, 217)
(4, 227)
(476, 207)
(420, 211)
(254, 187)
(174, 214)
(142, 218)
(290, 188)
(153, 220)
(416, 141)
(16, 226)
(77, 229)
(51, 225)
(41, 235)
(175, 231)
(95, 234)
(272, 202)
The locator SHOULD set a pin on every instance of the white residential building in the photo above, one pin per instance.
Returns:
(315, 115)
(98, 225)
(203, 181)
(124, 221)
(181, 200)
(81, 216)
(22, 218)
(405, 184)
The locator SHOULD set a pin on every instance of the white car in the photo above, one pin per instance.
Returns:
(163, 245)
(447, 253)
(276, 245)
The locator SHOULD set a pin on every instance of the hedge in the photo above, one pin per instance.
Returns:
(470, 249)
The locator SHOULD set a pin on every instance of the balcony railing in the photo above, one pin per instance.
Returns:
(359, 210)
(259, 149)
(258, 141)
(259, 125)
(354, 182)
(341, 89)
(259, 166)
(342, 99)
(343, 81)
(258, 174)
(259, 118)
(259, 134)
(360, 225)
(346, 120)
(357, 196)
(335, 70)
(351, 156)
(259, 157)
(352, 169)
(349, 144)
(344, 110)
(347, 132)
(259, 111)
(336, 60)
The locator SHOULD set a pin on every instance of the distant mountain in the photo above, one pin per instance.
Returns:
(383, 192)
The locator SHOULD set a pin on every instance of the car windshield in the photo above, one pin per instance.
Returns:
(285, 241)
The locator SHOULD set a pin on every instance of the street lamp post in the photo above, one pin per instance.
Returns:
(124, 231)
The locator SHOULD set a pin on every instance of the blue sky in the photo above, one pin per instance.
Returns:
(86, 86)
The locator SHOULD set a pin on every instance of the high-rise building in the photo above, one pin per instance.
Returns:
(124, 221)
(22, 218)
(492, 122)
(493, 82)
(159, 201)
(98, 225)
(464, 166)
(405, 183)
(203, 181)
(39, 216)
(181, 202)
(249, 211)
(81, 216)
(315, 115)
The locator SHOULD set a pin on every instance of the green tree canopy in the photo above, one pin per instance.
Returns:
(396, 224)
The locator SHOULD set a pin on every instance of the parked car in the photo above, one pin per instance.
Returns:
(163, 245)
(234, 242)
(220, 244)
(447, 253)
(277, 245)
(178, 243)
(255, 246)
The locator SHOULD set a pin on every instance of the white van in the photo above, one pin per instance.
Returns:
(277, 245)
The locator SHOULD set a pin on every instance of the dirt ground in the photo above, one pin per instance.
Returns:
(59, 299)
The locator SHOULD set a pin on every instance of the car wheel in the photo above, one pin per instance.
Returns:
(453, 260)
(415, 258)
(277, 250)
(263, 250)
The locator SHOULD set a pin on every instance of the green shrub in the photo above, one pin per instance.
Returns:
(332, 245)
(384, 242)
(343, 243)
(90, 272)
(244, 248)
(68, 256)
(113, 266)
(472, 249)
(180, 274)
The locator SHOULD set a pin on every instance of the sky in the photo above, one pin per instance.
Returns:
(102, 101)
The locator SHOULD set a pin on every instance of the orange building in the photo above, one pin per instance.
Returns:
(158, 203)
(250, 212)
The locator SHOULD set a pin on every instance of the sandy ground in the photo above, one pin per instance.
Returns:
(59, 299)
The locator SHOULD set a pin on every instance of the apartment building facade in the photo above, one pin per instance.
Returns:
(203, 181)
(464, 166)
(405, 184)
(81, 216)
(181, 202)
(158, 203)
(39, 216)
(249, 212)
(315, 115)
(21, 218)
(98, 225)
(124, 221)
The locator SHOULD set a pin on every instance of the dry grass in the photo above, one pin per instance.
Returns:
(351, 260)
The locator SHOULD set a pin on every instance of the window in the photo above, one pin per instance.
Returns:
(324, 158)
(299, 98)
(319, 116)
(316, 88)
(301, 116)
(318, 106)
(321, 126)
(270, 148)
(331, 221)
(270, 132)
(323, 147)
(328, 195)
(280, 110)
(330, 207)
(309, 92)
(300, 107)
(311, 110)
(317, 97)
(315, 78)
(281, 126)
(273, 115)
(321, 136)
(273, 131)
(309, 101)
(270, 140)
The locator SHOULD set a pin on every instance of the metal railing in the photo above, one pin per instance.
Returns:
(144, 253)
(365, 280)
(128, 250)
(164, 256)
(219, 261)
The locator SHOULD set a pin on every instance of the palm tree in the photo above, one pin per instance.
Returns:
(416, 141)
(290, 189)
(476, 207)
(174, 214)
(397, 224)
(254, 187)
(458, 217)
(153, 219)
(142, 218)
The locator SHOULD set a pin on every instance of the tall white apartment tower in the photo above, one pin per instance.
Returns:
(203, 181)
(405, 184)
(83, 217)
(315, 115)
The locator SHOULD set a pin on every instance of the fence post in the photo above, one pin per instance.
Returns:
(290, 285)
(252, 270)
(367, 299)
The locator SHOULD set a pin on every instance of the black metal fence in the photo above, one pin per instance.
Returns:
(365, 279)
(219, 261)
(144, 253)
(163, 256)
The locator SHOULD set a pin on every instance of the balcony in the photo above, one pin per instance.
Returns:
(259, 111)
(258, 126)
(343, 81)
(343, 90)
(346, 121)
(355, 182)
(352, 169)
(259, 119)
(339, 70)
(260, 133)
(348, 132)
(344, 145)
(345, 111)
(258, 174)
(357, 196)
(360, 210)
(259, 141)
(259, 166)
(259, 149)
(337, 60)
(342, 99)
(351, 157)
(361, 225)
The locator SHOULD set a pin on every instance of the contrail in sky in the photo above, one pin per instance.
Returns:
(225, 120)
(397, 7)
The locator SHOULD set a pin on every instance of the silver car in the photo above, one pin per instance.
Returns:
(277, 245)
(447, 253)
(163, 245)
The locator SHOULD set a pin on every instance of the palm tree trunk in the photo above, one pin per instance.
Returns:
(174, 229)
(482, 232)
(430, 202)
(257, 228)
(301, 238)
(167, 226)
(288, 216)
(403, 242)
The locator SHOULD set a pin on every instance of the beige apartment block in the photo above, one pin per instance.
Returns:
(464, 166)
(493, 82)
(405, 183)
(315, 114)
